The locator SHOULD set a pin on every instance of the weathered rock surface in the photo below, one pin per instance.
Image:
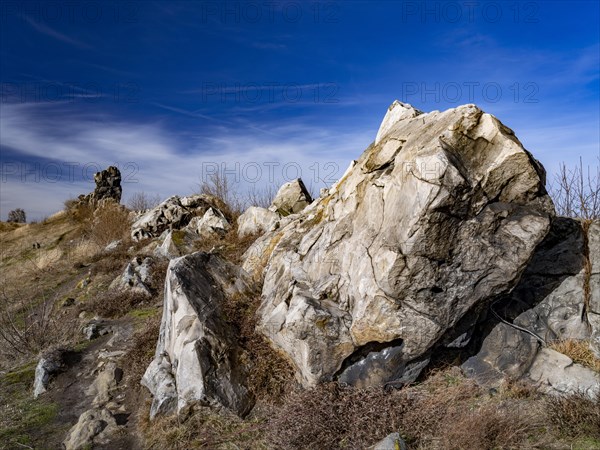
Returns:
(137, 276)
(49, 365)
(93, 427)
(555, 373)
(593, 313)
(172, 214)
(433, 222)
(213, 223)
(256, 220)
(291, 198)
(197, 359)
(546, 306)
(108, 187)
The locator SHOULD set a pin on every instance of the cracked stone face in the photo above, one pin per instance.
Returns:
(434, 220)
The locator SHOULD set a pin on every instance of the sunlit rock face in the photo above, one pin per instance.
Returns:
(438, 217)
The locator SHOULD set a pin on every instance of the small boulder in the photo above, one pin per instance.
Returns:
(93, 427)
(49, 365)
(256, 220)
(212, 223)
(555, 373)
(137, 276)
(390, 442)
(291, 198)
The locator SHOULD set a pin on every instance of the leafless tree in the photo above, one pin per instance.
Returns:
(576, 191)
(140, 201)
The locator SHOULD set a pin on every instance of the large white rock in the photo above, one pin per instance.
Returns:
(256, 220)
(434, 221)
(396, 112)
(197, 359)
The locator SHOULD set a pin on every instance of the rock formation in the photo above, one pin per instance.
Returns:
(196, 356)
(435, 221)
(108, 187)
(174, 213)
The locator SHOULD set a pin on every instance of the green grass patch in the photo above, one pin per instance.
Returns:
(143, 313)
(22, 417)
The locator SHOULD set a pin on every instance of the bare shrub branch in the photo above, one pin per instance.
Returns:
(140, 201)
(576, 191)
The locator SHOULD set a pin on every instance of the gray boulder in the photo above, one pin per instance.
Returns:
(93, 427)
(137, 277)
(555, 373)
(197, 358)
(49, 365)
(547, 305)
(291, 198)
(430, 225)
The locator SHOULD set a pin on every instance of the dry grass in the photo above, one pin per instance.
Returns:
(579, 351)
(114, 303)
(204, 429)
(575, 416)
(269, 373)
(445, 412)
(141, 353)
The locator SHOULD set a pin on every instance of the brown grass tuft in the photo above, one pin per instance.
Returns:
(575, 415)
(579, 351)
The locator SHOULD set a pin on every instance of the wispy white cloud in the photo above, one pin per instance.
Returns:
(45, 29)
(157, 160)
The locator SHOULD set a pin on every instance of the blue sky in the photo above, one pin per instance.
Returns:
(269, 90)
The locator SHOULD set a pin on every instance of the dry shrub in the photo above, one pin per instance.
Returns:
(230, 246)
(575, 415)
(141, 353)
(579, 351)
(332, 416)
(29, 323)
(140, 201)
(445, 412)
(110, 223)
(115, 303)
(204, 428)
(269, 373)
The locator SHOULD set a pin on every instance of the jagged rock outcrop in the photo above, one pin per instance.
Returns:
(432, 223)
(197, 358)
(291, 198)
(547, 305)
(212, 224)
(137, 277)
(256, 220)
(173, 214)
(108, 187)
